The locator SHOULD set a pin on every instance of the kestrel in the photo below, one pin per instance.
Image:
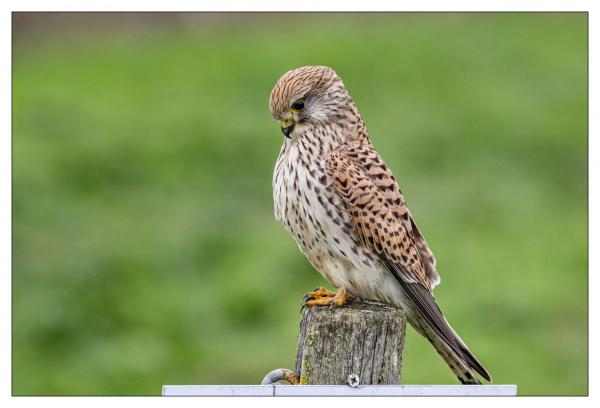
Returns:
(338, 199)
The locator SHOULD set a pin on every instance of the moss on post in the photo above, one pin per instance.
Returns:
(360, 338)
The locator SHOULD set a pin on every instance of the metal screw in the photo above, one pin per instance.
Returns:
(353, 380)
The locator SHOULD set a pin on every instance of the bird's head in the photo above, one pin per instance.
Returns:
(308, 96)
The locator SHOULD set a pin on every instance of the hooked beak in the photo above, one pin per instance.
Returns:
(287, 126)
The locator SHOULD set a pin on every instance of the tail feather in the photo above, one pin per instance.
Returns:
(429, 320)
(472, 361)
(464, 366)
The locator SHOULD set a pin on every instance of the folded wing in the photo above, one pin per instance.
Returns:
(381, 219)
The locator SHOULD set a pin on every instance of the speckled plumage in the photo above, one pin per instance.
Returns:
(341, 203)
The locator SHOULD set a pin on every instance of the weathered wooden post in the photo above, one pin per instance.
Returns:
(344, 351)
(360, 339)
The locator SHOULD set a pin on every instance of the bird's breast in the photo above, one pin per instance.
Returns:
(315, 215)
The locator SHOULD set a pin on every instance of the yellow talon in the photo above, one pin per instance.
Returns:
(324, 297)
(320, 293)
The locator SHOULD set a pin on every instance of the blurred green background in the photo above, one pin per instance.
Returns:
(145, 251)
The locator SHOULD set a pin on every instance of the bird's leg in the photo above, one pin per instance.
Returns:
(320, 292)
(316, 294)
(342, 297)
(324, 297)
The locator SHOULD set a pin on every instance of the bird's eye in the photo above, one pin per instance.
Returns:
(298, 106)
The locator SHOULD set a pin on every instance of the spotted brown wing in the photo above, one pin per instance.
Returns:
(377, 213)
(369, 161)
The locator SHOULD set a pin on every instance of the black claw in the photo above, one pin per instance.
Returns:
(303, 305)
(305, 299)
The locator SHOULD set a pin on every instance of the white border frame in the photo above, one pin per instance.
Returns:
(592, 6)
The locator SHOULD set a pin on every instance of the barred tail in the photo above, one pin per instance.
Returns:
(425, 315)
(465, 366)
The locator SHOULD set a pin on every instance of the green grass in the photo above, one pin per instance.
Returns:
(145, 251)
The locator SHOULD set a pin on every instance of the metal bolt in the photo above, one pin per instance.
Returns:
(353, 380)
